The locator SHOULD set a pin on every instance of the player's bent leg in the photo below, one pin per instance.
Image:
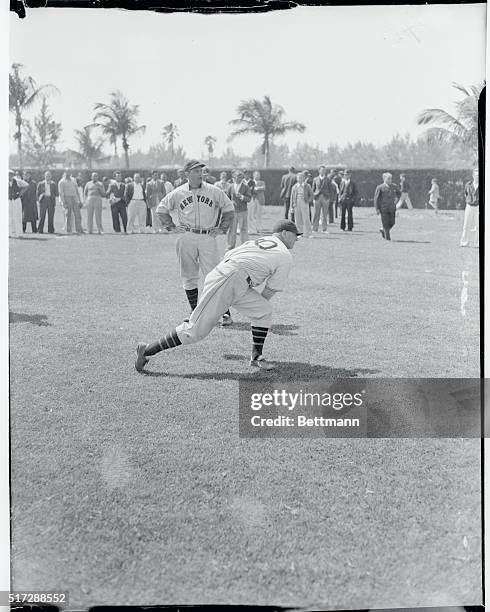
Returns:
(259, 310)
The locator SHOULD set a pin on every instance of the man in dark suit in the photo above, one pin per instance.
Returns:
(385, 198)
(240, 196)
(46, 194)
(288, 181)
(324, 194)
(115, 193)
(29, 203)
(348, 196)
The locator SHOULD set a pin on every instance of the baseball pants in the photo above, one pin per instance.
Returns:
(196, 252)
(303, 223)
(94, 205)
(321, 208)
(155, 220)
(137, 210)
(72, 212)
(118, 209)
(404, 199)
(225, 286)
(240, 220)
(470, 225)
(387, 221)
(15, 217)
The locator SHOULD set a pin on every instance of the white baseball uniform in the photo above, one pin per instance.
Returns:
(199, 211)
(231, 283)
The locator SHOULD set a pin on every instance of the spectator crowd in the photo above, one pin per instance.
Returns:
(313, 202)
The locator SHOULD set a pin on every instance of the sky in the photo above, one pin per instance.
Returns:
(348, 73)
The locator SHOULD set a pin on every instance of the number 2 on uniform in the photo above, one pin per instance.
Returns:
(265, 244)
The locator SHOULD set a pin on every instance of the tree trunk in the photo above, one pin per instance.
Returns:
(89, 163)
(18, 122)
(126, 157)
(266, 153)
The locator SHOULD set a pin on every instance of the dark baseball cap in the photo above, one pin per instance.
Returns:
(286, 225)
(193, 163)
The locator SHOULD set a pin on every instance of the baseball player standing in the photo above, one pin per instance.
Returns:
(203, 211)
(232, 283)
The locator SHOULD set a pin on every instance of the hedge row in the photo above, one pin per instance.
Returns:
(451, 182)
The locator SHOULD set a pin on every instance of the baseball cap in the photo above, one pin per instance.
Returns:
(286, 225)
(193, 163)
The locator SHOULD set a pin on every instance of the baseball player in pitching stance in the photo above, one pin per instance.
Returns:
(231, 283)
(203, 211)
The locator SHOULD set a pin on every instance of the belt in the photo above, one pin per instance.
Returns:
(137, 200)
(196, 230)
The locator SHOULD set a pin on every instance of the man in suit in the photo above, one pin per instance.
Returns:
(470, 223)
(93, 193)
(115, 193)
(324, 193)
(155, 192)
(240, 196)
(385, 198)
(348, 196)
(46, 193)
(287, 183)
(223, 184)
(70, 199)
(135, 196)
(29, 204)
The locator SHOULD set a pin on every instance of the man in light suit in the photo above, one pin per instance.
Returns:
(135, 196)
(241, 195)
(47, 194)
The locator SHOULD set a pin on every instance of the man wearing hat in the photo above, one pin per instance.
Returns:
(203, 211)
(232, 283)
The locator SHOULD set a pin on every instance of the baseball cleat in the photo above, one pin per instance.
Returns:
(141, 360)
(261, 363)
(226, 320)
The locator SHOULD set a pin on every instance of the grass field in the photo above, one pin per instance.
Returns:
(133, 489)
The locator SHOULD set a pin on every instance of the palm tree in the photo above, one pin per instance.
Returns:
(89, 150)
(265, 119)
(460, 129)
(23, 93)
(170, 134)
(118, 118)
(210, 142)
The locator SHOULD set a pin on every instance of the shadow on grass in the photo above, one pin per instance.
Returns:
(34, 237)
(413, 241)
(286, 370)
(35, 319)
(279, 330)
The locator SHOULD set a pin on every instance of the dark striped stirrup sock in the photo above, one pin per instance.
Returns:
(192, 296)
(169, 341)
(259, 334)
